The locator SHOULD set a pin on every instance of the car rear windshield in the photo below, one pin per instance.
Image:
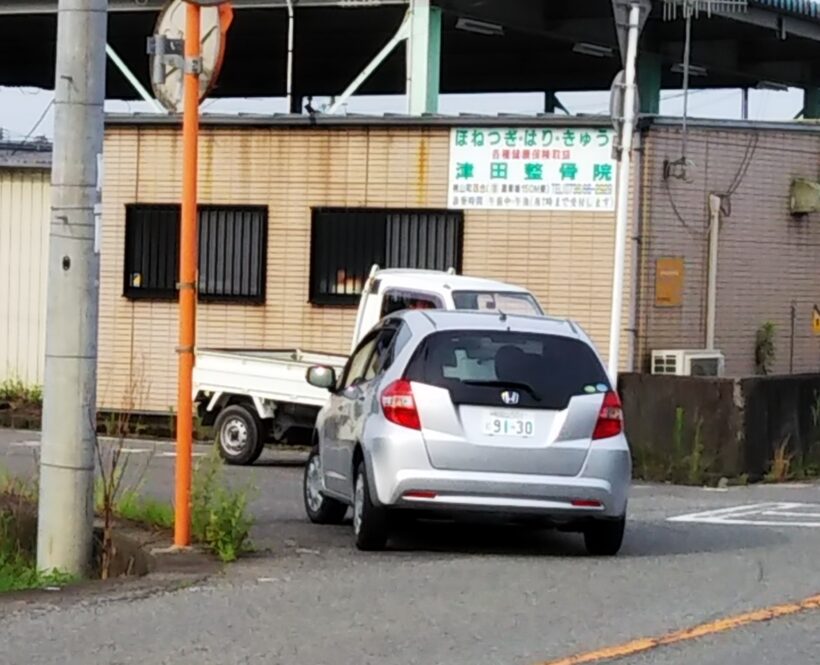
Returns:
(508, 368)
(489, 301)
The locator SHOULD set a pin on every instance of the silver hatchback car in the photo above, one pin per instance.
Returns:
(464, 411)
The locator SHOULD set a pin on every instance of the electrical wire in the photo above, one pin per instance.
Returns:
(717, 99)
(746, 162)
(726, 197)
(682, 221)
(743, 162)
(664, 98)
(35, 126)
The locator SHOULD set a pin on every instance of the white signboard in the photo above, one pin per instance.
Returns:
(532, 169)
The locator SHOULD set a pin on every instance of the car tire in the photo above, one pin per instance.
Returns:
(238, 437)
(369, 520)
(320, 509)
(605, 537)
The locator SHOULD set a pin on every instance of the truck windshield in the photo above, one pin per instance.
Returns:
(509, 302)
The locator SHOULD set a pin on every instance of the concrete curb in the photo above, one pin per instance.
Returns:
(156, 569)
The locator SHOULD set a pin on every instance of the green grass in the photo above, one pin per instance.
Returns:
(18, 488)
(18, 573)
(132, 506)
(219, 515)
(144, 510)
(220, 518)
(14, 390)
(18, 569)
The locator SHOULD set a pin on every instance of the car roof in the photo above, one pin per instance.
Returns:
(437, 279)
(440, 319)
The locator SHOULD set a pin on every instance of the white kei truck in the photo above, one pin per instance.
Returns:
(255, 397)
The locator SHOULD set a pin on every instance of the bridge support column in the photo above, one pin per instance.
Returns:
(423, 57)
(811, 103)
(649, 83)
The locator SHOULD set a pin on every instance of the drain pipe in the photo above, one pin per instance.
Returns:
(290, 56)
(711, 292)
(637, 253)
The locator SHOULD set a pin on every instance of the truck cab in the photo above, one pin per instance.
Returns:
(392, 290)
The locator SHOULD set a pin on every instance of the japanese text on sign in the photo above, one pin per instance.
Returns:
(532, 169)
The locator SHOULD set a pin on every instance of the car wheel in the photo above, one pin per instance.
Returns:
(320, 509)
(604, 537)
(369, 521)
(238, 435)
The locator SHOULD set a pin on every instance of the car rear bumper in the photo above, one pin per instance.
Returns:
(560, 497)
(403, 477)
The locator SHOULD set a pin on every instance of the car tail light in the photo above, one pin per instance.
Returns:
(420, 494)
(586, 503)
(399, 406)
(610, 419)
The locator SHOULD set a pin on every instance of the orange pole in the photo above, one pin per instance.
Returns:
(187, 280)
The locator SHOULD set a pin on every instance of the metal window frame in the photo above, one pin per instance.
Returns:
(261, 281)
(140, 292)
(323, 299)
(151, 294)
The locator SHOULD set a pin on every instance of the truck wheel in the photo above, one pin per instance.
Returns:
(320, 509)
(238, 435)
(369, 521)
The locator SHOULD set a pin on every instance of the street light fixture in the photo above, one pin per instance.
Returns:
(596, 50)
(479, 27)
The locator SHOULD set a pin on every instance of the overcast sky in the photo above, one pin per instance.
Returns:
(22, 108)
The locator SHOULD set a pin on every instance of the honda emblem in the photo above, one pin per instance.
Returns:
(510, 397)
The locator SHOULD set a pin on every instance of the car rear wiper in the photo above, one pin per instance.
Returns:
(507, 384)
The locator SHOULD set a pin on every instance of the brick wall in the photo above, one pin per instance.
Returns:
(767, 258)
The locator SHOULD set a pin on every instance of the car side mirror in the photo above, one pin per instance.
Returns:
(322, 377)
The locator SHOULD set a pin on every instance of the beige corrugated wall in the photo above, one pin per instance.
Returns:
(24, 215)
(566, 259)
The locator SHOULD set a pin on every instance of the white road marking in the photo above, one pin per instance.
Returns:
(790, 514)
(125, 449)
(775, 513)
(751, 507)
(173, 454)
(25, 444)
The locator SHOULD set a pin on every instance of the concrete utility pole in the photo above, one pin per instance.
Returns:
(66, 513)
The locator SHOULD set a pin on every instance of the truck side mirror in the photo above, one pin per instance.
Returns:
(322, 377)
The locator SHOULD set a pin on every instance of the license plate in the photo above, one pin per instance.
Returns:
(518, 426)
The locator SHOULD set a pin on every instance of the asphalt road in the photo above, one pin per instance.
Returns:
(460, 595)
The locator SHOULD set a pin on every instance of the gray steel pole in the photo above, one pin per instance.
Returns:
(64, 536)
(622, 198)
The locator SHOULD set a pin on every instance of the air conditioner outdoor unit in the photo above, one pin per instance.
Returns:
(687, 362)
